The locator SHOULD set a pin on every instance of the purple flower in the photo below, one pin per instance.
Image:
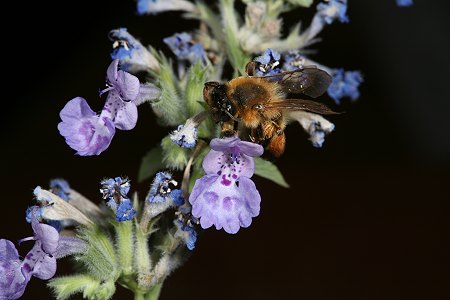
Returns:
(61, 188)
(40, 262)
(84, 130)
(182, 46)
(345, 84)
(267, 63)
(12, 280)
(404, 2)
(332, 10)
(115, 191)
(186, 233)
(327, 13)
(293, 60)
(133, 56)
(226, 196)
(158, 6)
(162, 190)
(91, 134)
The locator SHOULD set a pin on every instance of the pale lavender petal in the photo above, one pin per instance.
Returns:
(251, 149)
(128, 85)
(253, 199)
(12, 281)
(125, 113)
(38, 263)
(213, 162)
(224, 144)
(111, 72)
(225, 206)
(8, 251)
(68, 246)
(217, 162)
(83, 130)
(124, 83)
(200, 185)
(227, 145)
(47, 235)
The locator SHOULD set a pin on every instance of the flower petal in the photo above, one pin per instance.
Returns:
(124, 83)
(83, 130)
(227, 207)
(39, 263)
(127, 85)
(111, 72)
(12, 281)
(217, 162)
(125, 113)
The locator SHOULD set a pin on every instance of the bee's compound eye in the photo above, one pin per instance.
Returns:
(258, 106)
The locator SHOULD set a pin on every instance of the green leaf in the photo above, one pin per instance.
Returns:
(268, 170)
(66, 286)
(174, 157)
(305, 3)
(151, 163)
(196, 77)
(238, 58)
(100, 257)
(170, 108)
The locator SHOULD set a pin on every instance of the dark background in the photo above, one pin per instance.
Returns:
(367, 216)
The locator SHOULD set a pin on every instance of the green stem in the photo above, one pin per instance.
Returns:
(139, 296)
(142, 259)
(125, 245)
(154, 292)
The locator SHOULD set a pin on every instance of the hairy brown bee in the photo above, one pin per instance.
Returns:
(254, 105)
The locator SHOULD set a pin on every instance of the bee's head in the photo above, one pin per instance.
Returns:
(215, 95)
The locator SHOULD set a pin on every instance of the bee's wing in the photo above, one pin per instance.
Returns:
(309, 81)
(298, 104)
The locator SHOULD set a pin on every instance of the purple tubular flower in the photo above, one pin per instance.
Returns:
(40, 262)
(162, 190)
(345, 84)
(267, 63)
(404, 3)
(186, 233)
(293, 60)
(91, 134)
(332, 10)
(182, 46)
(159, 6)
(226, 196)
(133, 56)
(83, 129)
(60, 187)
(115, 191)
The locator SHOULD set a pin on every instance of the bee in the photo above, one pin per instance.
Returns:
(256, 105)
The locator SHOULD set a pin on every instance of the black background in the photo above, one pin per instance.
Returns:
(367, 216)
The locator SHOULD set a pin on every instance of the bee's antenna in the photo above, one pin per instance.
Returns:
(231, 116)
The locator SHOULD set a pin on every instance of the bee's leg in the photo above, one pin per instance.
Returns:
(256, 135)
(279, 128)
(277, 144)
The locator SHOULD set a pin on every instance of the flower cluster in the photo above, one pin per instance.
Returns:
(201, 171)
